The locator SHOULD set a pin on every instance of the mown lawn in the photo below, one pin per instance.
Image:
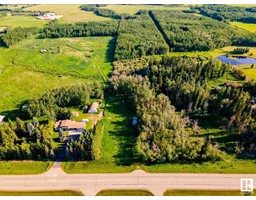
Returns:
(205, 193)
(118, 143)
(24, 167)
(71, 12)
(42, 193)
(124, 193)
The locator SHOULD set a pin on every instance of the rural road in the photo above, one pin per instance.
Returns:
(91, 184)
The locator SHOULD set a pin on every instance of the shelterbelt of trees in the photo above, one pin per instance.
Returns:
(57, 30)
(13, 36)
(228, 13)
(139, 37)
(53, 103)
(188, 32)
(154, 89)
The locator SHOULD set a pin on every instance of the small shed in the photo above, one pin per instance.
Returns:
(93, 108)
(2, 119)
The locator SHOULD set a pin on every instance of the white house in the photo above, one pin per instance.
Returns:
(2, 119)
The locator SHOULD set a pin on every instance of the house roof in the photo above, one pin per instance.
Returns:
(70, 124)
(94, 106)
(254, 107)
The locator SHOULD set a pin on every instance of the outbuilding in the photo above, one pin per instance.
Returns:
(93, 108)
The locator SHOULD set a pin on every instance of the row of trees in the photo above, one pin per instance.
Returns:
(240, 50)
(188, 32)
(12, 36)
(228, 13)
(139, 37)
(53, 103)
(57, 30)
(25, 140)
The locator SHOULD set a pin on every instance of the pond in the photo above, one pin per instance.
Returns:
(237, 60)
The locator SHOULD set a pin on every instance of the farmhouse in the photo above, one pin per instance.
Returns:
(49, 16)
(68, 125)
(93, 108)
(2, 119)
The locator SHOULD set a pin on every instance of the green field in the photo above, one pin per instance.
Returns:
(42, 193)
(124, 193)
(132, 9)
(71, 13)
(24, 167)
(23, 21)
(27, 73)
(248, 71)
(118, 141)
(205, 193)
(246, 26)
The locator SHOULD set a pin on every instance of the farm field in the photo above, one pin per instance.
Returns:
(124, 193)
(42, 193)
(24, 167)
(37, 72)
(23, 21)
(248, 71)
(133, 9)
(117, 146)
(203, 193)
(246, 26)
(71, 13)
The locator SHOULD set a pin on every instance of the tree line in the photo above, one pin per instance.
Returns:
(22, 140)
(240, 50)
(228, 13)
(188, 32)
(139, 37)
(81, 29)
(13, 36)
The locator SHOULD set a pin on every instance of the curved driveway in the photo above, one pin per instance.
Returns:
(91, 184)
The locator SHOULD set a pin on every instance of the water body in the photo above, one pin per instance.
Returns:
(237, 60)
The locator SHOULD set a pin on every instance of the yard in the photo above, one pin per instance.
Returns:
(71, 12)
(124, 193)
(117, 146)
(246, 26)
(204, 193)
(42, 193)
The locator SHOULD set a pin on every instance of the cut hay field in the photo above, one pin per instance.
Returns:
(27, 73)
(23, 21)
(132, 9)
(71, 12)
(246, 26)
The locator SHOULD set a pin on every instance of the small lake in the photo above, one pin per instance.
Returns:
(237, 60)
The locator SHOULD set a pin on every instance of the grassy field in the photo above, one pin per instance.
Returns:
(71, 13)
(248, 71)
(246, 26)
(124, 193)
(27, 73)
(118, 141)
(24, 167)
(204, 193)
(23, 21)
(132, 9)
(42, 193)
(251, 53)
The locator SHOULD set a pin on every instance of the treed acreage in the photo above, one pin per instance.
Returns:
(76, 84)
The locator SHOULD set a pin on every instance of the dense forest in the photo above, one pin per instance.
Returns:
(26, 140)
(228, 13)
(57, 30)
(12, 36)
(53, 103)
(139, 37)
(154, 88)
(189, 32)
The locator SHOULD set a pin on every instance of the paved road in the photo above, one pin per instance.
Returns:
(91, 184)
